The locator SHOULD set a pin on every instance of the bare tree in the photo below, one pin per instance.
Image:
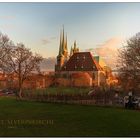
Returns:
(18, 59)
(23, 62)
(6, 46)
(129, 60)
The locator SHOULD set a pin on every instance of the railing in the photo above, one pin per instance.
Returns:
(75, 99)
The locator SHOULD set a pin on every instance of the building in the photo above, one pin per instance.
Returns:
(33, 81)
(63, 52)
(78, 62)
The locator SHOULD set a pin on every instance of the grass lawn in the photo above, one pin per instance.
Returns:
(68, 120)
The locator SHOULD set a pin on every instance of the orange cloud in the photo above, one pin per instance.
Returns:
(112, 43)
(108, 51)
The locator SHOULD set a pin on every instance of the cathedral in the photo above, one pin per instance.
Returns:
(63, 55)
(77, 62)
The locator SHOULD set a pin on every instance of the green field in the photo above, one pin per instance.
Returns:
(68, 120)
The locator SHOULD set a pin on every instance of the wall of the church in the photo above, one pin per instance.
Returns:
(95, 78)
(63, 82)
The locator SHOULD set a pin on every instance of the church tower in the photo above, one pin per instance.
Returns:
(71, 51)
(64, 46)
(74, 49)
(63, 52)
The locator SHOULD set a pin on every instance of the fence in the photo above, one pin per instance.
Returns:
(100, 100)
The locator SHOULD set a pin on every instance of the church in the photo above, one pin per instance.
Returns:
(78, 62)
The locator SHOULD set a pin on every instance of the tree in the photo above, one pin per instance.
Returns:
(129, 60)
(23, 62)
(5, 47)
(17, 59)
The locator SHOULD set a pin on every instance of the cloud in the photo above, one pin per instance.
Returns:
(7, 21)
(53, 38)
(48, 40)
(7, 17)
(48, 64)
(7, 26)
(108, 50)
(111, 43)
(45, 41)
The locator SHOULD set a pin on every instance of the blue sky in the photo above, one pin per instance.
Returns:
(38, 25)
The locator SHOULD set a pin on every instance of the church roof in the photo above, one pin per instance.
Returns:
(81, 61)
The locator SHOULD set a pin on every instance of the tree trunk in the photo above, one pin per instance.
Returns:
(20, 88)
(20, 93)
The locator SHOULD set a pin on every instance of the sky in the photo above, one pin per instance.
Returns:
(38, 25)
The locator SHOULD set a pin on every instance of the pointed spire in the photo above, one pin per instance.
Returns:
(74, 44)
(66, 49)
(63, 40)
(71, 51)
(60, 46)
(74, 48)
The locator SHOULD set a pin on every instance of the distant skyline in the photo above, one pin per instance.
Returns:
(92, 25)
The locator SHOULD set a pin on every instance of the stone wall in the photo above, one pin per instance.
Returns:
(76, 79)
(63, 82)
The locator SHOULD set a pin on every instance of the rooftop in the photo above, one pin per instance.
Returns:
(81, 61)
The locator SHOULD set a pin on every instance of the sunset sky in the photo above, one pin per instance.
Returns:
(38, 25)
